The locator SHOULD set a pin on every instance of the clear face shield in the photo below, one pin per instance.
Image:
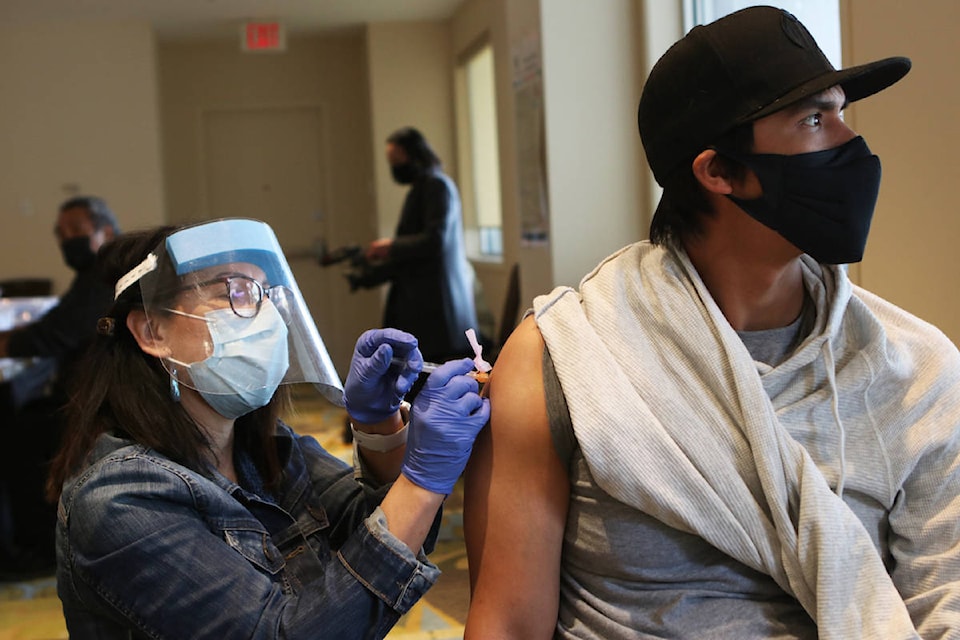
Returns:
(229, 317)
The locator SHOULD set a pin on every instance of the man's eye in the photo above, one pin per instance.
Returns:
(813, 120)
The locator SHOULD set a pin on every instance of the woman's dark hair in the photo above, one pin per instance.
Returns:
(684, 203)
(416, 147)
(126, 392)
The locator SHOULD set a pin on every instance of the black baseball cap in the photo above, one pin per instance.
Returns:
(741, 67)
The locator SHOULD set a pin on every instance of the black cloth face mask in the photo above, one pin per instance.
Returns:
(822, 202)
(404, 173)
(77, 253)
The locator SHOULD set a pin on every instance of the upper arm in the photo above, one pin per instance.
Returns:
(515, 507)
(924, 540)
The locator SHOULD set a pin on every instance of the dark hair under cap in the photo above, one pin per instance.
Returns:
(741, 67)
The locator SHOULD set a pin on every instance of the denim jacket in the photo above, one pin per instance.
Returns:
(147, 548)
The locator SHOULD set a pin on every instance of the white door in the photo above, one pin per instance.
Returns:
(269, 164)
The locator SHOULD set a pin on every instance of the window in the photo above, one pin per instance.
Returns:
(821, 17)
(478, 154)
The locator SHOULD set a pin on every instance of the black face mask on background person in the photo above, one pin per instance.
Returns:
(404, 173)
(77, 253)
(822, 202)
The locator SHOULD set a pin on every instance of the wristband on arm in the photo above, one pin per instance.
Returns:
(382, 443)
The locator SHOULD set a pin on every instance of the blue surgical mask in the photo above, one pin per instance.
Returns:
(248, 362)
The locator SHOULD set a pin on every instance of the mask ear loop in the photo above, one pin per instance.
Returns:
(190, 315)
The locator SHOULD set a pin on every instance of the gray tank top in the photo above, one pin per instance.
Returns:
(625, 574)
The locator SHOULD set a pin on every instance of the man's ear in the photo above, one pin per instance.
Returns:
(711, 173)
(146, 334)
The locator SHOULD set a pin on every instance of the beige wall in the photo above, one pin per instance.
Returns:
(79, 111)
(327, 74)
(591, 78)
(912, 257)
(592, 83)
(411, 84)
(474, 22)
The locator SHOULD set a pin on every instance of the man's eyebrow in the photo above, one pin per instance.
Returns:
(823, 101)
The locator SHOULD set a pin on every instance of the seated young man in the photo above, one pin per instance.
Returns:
(719, 435)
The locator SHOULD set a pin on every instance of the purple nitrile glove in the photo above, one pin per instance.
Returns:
(447, 415)
(374, 389)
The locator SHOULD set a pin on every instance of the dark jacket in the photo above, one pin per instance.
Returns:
(188, 556)
(432, 290)
(70, 325)
(64, 332)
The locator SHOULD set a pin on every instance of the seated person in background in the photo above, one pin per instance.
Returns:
(188, 510)
(719, 435)
(84, 224)
(32, 408)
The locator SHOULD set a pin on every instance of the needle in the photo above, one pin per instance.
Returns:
(430, 367)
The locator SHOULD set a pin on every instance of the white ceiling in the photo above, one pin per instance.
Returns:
(177, 19)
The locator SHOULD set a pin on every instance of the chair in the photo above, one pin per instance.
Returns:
(511, 307)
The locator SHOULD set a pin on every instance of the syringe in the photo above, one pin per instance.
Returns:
(430, 367)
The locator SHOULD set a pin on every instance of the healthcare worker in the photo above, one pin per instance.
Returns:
(188, 510)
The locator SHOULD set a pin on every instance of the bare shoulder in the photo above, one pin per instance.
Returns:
(519, 430)
(519, 427)
(518, 375)
(515, 502)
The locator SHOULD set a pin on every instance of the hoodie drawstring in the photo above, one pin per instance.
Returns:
(835, 406)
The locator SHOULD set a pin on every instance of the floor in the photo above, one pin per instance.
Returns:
(31, 610)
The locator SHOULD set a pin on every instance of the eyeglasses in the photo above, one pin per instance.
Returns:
(246, 294)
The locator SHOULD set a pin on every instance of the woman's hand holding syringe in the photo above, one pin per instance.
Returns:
(483, 368)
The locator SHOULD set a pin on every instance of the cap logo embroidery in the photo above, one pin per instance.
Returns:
(795, 32)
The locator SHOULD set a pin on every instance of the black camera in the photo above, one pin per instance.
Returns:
(351, 252)
(360, 274)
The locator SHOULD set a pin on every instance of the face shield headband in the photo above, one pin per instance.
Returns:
(229, 315)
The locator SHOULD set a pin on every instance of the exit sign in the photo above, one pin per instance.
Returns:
(263, 36)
